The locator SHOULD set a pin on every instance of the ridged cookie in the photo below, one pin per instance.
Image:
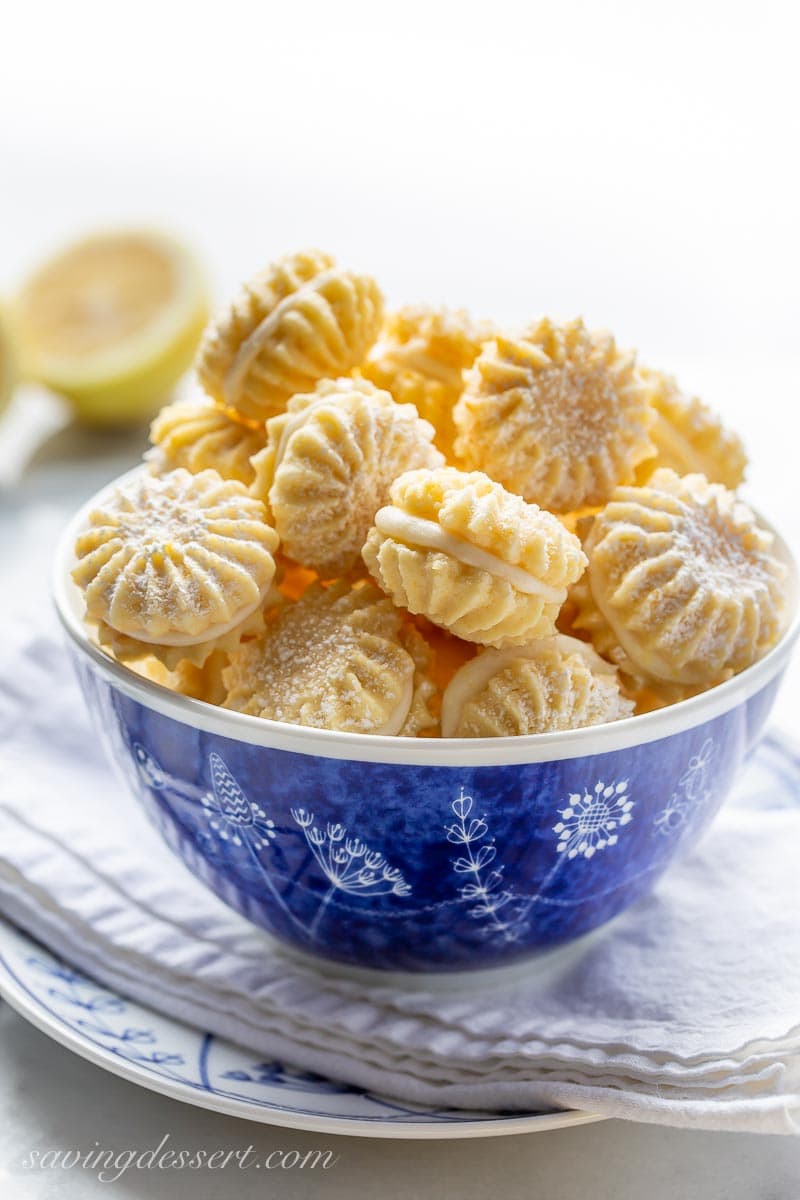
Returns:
(553, 684)
(682, 580)
(328, 465)
(200, 435)
(420, 358)
(335, 659)
(301, 320)
(471, 557)
(558, 415)
(689, 437)
(176, 559)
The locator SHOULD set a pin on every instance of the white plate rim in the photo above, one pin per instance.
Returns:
(17, 997)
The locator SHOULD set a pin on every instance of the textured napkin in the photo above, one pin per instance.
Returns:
(685, 1010)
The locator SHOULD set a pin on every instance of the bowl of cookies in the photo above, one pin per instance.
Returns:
(426, 645)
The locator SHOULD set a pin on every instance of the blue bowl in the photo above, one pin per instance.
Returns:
(421, 855)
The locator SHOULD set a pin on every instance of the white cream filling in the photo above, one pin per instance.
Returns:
(418, 531)
(398, 717)
(252, 346)
(208, 635)
(472, 678)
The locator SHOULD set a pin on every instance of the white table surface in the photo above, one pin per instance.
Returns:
(51, 1099)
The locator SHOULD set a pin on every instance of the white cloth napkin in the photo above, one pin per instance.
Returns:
(685, 1010)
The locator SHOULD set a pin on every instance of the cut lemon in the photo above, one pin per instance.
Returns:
(8, 360)
(112, 322)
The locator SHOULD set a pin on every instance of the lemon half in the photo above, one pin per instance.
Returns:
(112, 322)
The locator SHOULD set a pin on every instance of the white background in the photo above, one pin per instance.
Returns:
(632, 162)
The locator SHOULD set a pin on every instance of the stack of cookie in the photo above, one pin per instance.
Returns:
(422, 525)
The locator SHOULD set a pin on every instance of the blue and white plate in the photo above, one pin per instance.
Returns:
(166, 1056)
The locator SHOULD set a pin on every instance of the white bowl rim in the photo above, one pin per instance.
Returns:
(441, 752)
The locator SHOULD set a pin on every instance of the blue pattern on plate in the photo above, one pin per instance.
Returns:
(199, 1061)
(409, 867)
(163, 1049)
